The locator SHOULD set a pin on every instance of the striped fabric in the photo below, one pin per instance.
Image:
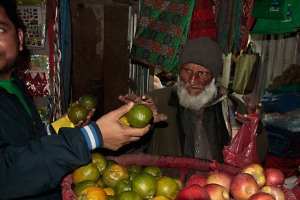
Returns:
(91, 136)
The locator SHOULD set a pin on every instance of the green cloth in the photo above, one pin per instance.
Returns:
(11, 87)
(161, 32)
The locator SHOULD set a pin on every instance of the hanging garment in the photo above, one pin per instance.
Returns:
(245, 72)
(233, 24)
(203, 21)
(161, 32)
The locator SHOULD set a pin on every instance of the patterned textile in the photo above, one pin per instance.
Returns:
(161, 32)
(233, 24)
(246, 23)
(203, 21)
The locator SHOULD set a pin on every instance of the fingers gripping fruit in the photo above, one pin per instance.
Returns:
(138, 116)
(79, 112)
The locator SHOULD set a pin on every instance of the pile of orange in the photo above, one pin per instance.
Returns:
(104, 179)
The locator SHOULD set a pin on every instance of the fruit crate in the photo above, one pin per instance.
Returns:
(173, 166)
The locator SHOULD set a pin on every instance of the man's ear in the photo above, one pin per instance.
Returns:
(21, 39)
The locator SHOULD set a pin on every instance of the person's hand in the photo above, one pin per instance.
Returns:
(147, 100)
(252, 108)
(115, 134)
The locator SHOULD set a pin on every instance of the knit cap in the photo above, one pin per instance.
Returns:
(205, 52)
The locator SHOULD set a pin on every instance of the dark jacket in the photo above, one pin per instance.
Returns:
(168, 137)
(31, 163)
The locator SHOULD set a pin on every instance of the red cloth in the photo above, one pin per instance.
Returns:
(203, 21)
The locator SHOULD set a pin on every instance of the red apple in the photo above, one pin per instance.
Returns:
(217, 192)
(242, 186)
(274, 177)
(193, 192)
(261, 196)
(198, 179)
(220, 178)
(275, 191)
(257, 171)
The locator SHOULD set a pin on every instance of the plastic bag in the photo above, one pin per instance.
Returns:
(242, 148)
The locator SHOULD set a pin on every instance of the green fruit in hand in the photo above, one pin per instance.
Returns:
(77, 113)
(139, 115)
(88, 101)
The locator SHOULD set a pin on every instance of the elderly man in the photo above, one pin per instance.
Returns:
(201, 116)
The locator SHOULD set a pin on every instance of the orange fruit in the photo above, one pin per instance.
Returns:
(111, 162)
(88, 101)
(82, 185)
(113, 174)
(139, 115)
(153, 170)
(86, 172)
(77, 113)
(160, 197)
(129, 195)
(92, 193)
(99, 161)
(110, 197)
(109, 191)
(124, 121)
(168, 187)
(179, 182)
(134, 168)
(122, 186)
(100, 183)
(144, 184)
(132, 175)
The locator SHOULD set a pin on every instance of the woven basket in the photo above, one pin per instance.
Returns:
(172, 166)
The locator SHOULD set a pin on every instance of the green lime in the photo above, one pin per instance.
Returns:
(129, 195)
(99, 161)
(122, 186)
(145, 185)
(153, 170)
(82, 185)
(139, 115)
(134, 168)
(77, 113)
(88, 101)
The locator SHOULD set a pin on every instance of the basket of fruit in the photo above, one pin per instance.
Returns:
(144, 176)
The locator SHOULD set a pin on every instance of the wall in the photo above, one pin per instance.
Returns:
(100, 52)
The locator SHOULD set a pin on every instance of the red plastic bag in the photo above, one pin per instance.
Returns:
(242, 148)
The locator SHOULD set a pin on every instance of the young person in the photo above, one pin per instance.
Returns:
(34, 161)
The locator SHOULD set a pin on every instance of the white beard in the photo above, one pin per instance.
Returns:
(196, 102)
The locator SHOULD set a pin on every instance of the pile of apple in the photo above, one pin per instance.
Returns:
(253, 182)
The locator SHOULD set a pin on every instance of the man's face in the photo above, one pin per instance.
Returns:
(11, 42)
(195, 77)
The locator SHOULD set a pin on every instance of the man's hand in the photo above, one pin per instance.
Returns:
(115, 134)
(251, 109)
(146, 100)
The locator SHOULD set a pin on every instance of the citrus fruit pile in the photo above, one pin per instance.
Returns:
(138, 116)
(108, 180)
(79, 112)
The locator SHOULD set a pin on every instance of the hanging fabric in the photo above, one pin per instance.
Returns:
(54, 61)
(203, 21)
(161, 32)
(233, 24)
(289, 24)
(66, 51)
(245, 71)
